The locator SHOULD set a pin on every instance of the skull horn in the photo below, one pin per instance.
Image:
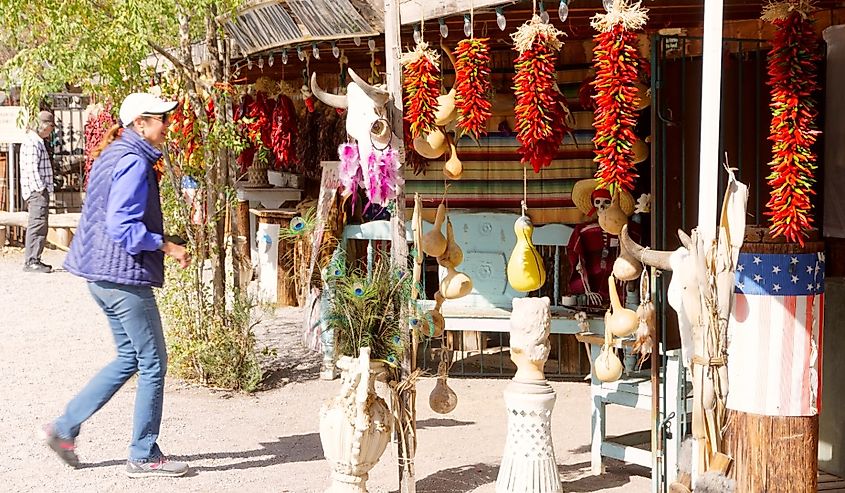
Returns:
(333, 100)
(654, 258)
(379, 96)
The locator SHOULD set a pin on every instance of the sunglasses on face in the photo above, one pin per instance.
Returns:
(165, 119)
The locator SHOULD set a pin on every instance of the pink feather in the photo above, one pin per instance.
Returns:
(349, 170)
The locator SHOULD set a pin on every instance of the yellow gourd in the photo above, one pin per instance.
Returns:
(525, 266)
(434, 243)
(619, 321)
(613, 219)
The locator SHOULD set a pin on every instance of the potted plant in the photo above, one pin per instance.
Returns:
(363, 310)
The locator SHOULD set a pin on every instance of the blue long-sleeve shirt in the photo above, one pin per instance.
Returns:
(126, 203)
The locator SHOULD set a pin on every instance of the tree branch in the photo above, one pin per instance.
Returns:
(179, 65)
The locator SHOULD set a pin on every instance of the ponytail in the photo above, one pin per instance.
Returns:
(113, 133)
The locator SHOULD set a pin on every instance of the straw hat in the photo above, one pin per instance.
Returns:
(643, 96)
(582, 195)
(640, 149)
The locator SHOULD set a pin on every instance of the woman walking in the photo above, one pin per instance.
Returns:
(119, 248)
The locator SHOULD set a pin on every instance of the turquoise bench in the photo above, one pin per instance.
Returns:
(487, 239)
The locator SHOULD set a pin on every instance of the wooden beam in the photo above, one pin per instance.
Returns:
(66, 220)
(407, 411)
(414, 10)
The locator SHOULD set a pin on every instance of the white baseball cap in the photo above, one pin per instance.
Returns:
(143, 103)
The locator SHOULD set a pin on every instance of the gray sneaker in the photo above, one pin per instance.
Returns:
(63, 447)
(161, 467)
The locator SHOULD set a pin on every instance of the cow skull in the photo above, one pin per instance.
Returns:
(683, 291)
(366, 120)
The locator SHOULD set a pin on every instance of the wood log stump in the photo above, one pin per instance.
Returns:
(773, 454)
(772, 426)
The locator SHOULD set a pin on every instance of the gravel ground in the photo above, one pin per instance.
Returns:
(54, 339)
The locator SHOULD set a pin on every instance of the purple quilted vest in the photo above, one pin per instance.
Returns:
(94, 255)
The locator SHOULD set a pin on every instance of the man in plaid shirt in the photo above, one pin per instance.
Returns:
(36, 186)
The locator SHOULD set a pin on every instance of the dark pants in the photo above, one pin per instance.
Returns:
(36, 229)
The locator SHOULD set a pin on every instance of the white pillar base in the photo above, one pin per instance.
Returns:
(528, 463)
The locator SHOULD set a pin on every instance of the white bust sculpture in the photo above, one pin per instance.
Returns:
(530, 324)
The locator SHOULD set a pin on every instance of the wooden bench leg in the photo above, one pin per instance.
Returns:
(598, 419)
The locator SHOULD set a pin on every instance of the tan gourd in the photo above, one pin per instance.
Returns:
(455, 284)
(442, 399)
(431, 146)
(434, 243)
(607, 367)
(613, 219)
(454, 255)
(446, 109)
(453, 169)
(438, 323)
(621, 321)
(626, 267)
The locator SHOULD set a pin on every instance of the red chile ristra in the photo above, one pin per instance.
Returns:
(539, 109)
(473, 86)
(617, 61)
(793, 80)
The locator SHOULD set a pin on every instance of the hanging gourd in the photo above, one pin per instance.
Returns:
(626, 267)
(793, 78)
(434, 243)
(454, 254)
(619, 321)
(421, 84)
(525, 266)
(617, 62)
(613, 219)
(453, 169)
(539, 110)
(442, 399)
(607, 367)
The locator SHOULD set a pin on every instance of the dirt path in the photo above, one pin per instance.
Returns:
(53, 339)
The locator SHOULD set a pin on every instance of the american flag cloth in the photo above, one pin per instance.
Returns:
(775, 335)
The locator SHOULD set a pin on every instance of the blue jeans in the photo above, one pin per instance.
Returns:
(136, 325)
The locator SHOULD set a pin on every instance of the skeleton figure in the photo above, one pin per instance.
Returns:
(591, 250)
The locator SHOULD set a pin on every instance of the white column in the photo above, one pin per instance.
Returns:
(711, 104)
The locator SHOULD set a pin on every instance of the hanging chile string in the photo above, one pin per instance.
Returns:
(539, 106)
(617, 62)
(421, 85)
(793, 78)
(473, 86)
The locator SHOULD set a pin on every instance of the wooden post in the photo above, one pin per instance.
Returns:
(399, 248)
(242, 243)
